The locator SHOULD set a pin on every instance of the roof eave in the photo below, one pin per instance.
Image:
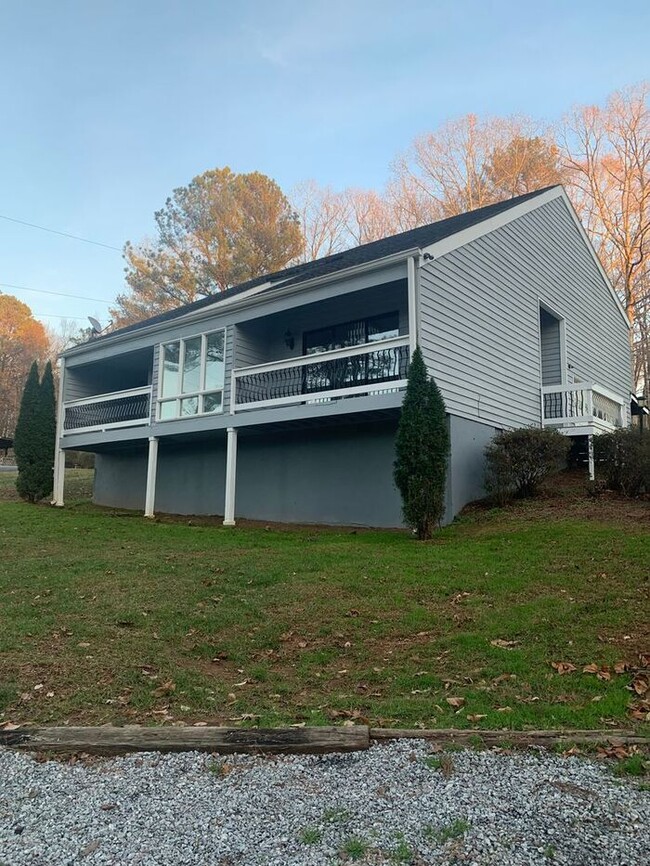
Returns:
(237, 302)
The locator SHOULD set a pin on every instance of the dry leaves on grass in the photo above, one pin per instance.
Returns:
(563, 667)
(455, 702)
(165, 689)
(504, 644)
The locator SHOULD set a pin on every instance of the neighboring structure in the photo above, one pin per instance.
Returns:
(279, 399)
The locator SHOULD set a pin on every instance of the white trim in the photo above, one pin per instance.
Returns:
(594, 255)
(152, 468)
(231, 476)
(412, 302)
(317, 357)
(114, 425)
(387, 385)
(202, 390)
(59, 453)
(465, 236)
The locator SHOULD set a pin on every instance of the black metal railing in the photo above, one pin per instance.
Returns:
(126, 410)
(566, 404)
(333, 374)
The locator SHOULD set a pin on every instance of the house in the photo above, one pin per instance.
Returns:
(279, 399)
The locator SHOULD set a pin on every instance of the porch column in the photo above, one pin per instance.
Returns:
(231, 474)
(152, 468)
(59, 453)
(590, 451)
(411, 272)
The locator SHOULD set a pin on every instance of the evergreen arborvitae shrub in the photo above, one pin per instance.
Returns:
(519, 461)
(422, 451)
(34, 437)
(48, 427)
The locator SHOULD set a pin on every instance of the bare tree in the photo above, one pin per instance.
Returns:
(369, 217)
(606, 151)
(323, 215)
(469, 163)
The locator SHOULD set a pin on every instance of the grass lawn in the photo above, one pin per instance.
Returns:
(108, 617)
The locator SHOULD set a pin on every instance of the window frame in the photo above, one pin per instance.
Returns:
(202, 391)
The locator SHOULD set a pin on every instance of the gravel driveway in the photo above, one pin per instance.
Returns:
(391, 804)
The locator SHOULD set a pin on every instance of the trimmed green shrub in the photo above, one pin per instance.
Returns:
(519, 461)
(623, 459)
(422, 451)
(34, 439)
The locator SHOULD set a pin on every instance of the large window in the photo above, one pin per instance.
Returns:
(192, 373)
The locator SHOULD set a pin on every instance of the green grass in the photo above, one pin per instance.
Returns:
(635, 765)
(108, 617)
(311, 836)
(355, 848)
(445, 834)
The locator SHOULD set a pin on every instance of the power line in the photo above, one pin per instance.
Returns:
(58, 294)
(57, 316)
(56, 232)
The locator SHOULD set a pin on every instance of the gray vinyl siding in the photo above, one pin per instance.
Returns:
(479, 317)
(550, 335)
(73, 388)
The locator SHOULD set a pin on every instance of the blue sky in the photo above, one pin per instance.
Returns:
(107, 106)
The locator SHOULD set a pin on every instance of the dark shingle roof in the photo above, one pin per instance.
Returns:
(420, 237)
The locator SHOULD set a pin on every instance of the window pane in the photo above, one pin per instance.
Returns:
(214, 362)
(190, 406)
(212, 402)
(192, 366)
(168, 409)
(171, 355)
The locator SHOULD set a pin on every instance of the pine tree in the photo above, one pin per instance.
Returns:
(35, 435)
(422, 450)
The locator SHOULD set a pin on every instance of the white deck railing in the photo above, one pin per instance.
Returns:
(357, 370)
(107, 411)
(582, 404)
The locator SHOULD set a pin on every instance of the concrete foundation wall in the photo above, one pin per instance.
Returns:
(334, 475)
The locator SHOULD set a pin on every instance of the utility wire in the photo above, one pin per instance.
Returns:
(56, 232)
(58, 294)
(57, 316)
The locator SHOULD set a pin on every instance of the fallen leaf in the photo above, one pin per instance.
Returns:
(165, 689)
(455, 702)
(640, 685)
(621, 667)
(476, 717)
(504, 709)
(563, 667)
(504, 644)
(590, 669)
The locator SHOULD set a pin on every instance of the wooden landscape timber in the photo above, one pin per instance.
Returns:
(109, 740)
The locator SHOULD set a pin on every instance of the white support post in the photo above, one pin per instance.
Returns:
(412, 303)
(152, 468)
(592, 465)
(59, 453)
(231, 475)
